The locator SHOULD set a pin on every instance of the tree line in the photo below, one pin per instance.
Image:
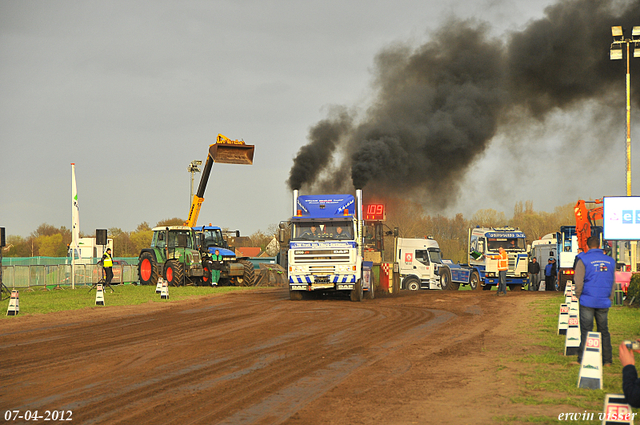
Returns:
(51, 241)
(451, 233)
(410, 219)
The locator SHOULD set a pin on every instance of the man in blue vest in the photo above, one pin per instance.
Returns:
(594, 277)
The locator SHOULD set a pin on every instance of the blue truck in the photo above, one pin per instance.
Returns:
(483, 244)
(326, 249)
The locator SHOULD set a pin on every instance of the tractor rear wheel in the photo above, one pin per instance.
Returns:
(248, 278)
(174, 273)
(147, 269)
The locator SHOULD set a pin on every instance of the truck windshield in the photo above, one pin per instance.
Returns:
(509, 244)
(335, 230)
(435, 255)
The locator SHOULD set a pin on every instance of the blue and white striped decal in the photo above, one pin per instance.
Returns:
(338, 278)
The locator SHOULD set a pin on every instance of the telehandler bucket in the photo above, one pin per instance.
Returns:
(227, 151)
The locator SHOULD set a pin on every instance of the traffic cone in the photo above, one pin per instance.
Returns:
(14, 304)
(164, 294)
(99, 295)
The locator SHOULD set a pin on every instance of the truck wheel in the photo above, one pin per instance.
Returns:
(248, 278)
(356, 293)
(445, 280)
(147, 269)
(474, 281)
(296, 295)
(174, 273)
(371, 293)
(411, 283)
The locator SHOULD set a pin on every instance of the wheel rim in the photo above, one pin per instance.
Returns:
(145, 269)
(169, 274)
(205, 278)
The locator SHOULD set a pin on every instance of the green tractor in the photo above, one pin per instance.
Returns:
(173, 256)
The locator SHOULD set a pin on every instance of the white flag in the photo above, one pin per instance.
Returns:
(75, 213)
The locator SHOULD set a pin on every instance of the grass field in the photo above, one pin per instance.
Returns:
(550, 378)
(41, 302)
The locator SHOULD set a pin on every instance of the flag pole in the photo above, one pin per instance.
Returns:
(75, 224)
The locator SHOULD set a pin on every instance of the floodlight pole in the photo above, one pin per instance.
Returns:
(193, 168)
(628, 123)
(618, 31)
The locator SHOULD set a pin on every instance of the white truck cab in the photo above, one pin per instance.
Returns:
(418, 262)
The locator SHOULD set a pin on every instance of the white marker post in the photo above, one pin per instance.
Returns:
(568, 292)
(572, 340)
(14, 304)
(563, 319)
(159, 286)
(164, 293)
(591, 368)
(617, 410)
(99, 295)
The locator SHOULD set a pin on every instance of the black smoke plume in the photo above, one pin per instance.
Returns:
(437, 107)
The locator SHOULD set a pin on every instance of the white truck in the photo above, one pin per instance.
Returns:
(326, 247)
(421, 266)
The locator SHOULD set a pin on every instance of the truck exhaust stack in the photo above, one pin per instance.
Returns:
(295, 202)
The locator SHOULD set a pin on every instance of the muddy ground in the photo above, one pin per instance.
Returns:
(255, 357)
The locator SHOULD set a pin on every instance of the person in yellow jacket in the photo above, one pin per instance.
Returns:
(503, 266)
(107, 265)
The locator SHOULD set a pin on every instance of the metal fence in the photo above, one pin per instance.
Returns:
(32, 276)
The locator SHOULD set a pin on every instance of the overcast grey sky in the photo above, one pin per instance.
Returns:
(132, 91)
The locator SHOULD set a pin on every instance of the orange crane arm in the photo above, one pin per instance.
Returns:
(225, 151)
(584, 221)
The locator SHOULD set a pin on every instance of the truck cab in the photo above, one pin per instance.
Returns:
(418, 261)
(326, 247)
(421, 266)
(484, 244)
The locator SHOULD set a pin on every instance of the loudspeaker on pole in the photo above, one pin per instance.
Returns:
(3, 241)
(101, 236)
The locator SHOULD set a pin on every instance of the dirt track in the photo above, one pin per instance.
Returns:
(257, 358)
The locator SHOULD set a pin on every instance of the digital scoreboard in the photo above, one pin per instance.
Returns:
(375, 212)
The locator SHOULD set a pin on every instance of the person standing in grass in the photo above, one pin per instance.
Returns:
(594, 277)
(215, 273)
